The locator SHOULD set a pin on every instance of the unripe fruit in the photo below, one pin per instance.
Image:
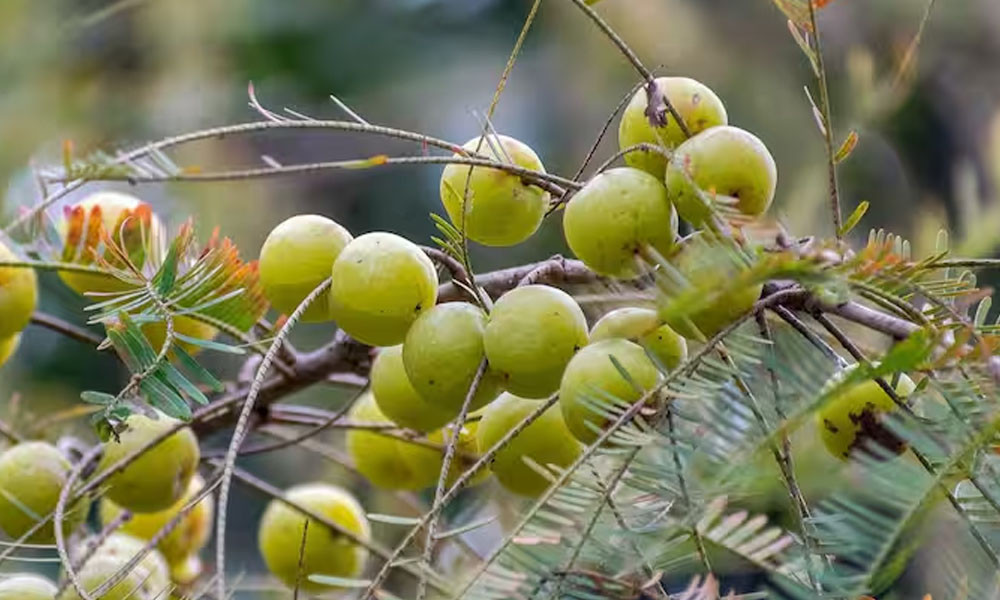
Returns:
(8, 346)
(396, 396)
(187, 538)
(381, 284)
(722, 162)
(325, 552)
(592, 379)
(442, 353)
(160, 476)
(617, 216)
(296, 258)
(532, 333)
(32, 475)
(156, 333)
(114, 209)
(500, 209)
(27, 587)
(149, 579)
(851, 419)
(546, 441)
(697, 105)
(643, 326)
(18, 295)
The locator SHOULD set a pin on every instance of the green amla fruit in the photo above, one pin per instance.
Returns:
(148, 580)
(398, 399)
(643, 326)
(18, 295)
(546, 441)
(725, 163)
(159, 477)
(697, 105)
(851, 419)
(156, 333)
(620, 216)
(500, 208)
(8, 346)
(296, 258)
(325, 552)
(27, 587)
(32, 475)
(591, 378)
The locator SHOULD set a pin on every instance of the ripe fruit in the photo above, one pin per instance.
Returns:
(500, 209)
(158, 478)
(8, 346)
(381, 284)
(724, 162)
(592, 380)
(396, 396)
(27, 587)
(546, 441)
(18, 295)
(618, 215)
(851, 419)
(296, 257)
(643, 326)
(149, 579)
(32, 474)
(532, 333)
(696, 104)
(113, 209)
(326, 552)
(180, 546)
(442, 353)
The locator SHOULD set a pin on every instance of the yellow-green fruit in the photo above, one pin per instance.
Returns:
(643, 326)
(532, 333)
(18, 295)
(500, 208)
(467, 452)
(592, 380)
(187, 538)
(149, 579)
(32, 474)
(156, 333)
(851, 420)
(381, 284)
(325, 552)
(296, 258)
(618, 216)
(442, 353)
(727, 164)
(396, 396)
(697, 105)
(113, 207)
(8, 346)
(158, 478)
(27, 587)
(546, 441)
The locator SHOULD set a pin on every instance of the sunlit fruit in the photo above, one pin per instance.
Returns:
(325, 552)
(546, 441)
(32, 474)
(852, 419)
(697, 105)
(532, 333)
(111, 210)
(149, 578)
(156, 333)
(593, 383)
(618, 217)
(160, 476)
(8, 346)
(643, 326)
(396, 396)
(189, 536)
(442, 353)
(729, 166)
(381, 284)
(296, 258)
(500, 208)
(27, 587)
(18, 295)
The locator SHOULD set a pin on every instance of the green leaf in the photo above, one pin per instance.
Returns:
(847, 147)
(210, 344)
(181, 383)
(465, 528)
(99, 398)
(804, 46)
(853, 220)
(393, 519)
(165, 398)
(197, 371)
(340, 581)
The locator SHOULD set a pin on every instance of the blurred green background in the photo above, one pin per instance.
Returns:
(112, 75)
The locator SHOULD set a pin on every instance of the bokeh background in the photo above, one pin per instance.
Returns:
(110, 75)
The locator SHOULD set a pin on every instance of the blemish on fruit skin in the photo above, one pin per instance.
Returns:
(829, 426)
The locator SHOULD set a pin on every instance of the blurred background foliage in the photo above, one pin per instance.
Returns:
(108, 75)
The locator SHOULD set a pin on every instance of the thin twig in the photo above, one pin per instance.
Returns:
(66, 328)
(824, 95)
